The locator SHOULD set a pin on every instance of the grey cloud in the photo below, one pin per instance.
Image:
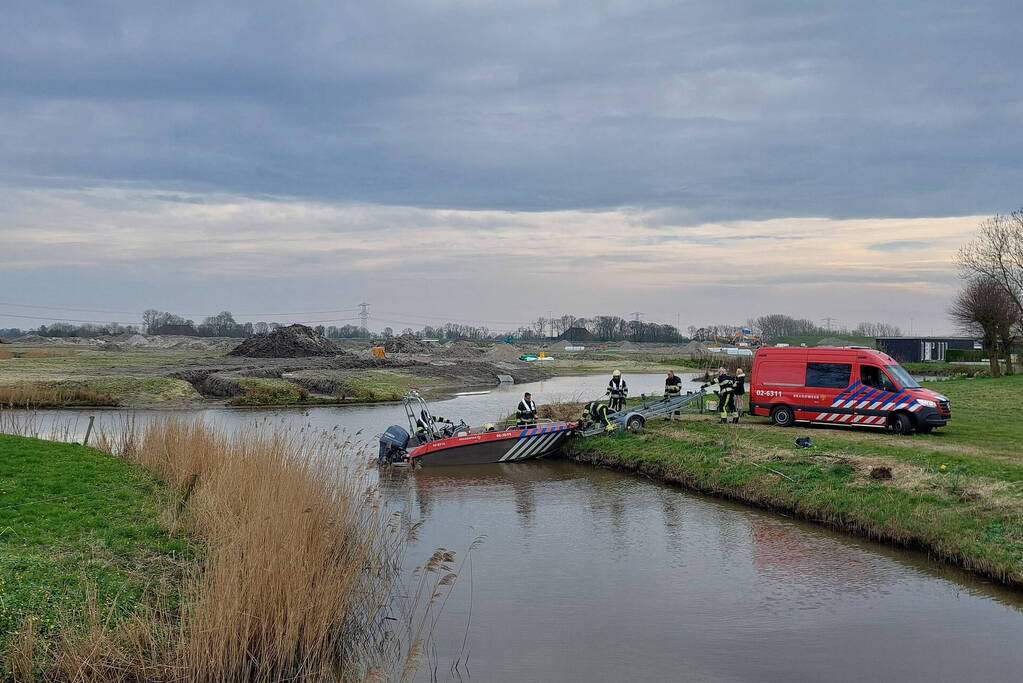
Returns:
(719, 110)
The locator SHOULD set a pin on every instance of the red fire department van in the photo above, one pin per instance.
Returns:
(849, 386)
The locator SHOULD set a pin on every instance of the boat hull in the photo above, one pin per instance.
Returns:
(510, 445)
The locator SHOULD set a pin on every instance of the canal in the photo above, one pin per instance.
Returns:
(588, 574)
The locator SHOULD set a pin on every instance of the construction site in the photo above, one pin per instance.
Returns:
(296, 365)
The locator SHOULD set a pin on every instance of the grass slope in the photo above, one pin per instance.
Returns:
(957, 492)
(75, 520)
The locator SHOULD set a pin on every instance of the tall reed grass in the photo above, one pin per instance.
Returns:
(17, 396)
(297, 568)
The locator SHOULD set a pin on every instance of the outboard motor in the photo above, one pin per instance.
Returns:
(393, 443)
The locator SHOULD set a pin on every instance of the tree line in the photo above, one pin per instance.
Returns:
(777, 326)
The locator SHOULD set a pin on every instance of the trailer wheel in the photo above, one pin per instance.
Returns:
(635, 423)
(900, 423)
(782, 416)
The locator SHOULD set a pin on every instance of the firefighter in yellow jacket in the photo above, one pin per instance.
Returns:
(726, 395)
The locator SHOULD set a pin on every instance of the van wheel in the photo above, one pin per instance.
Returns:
(900, 424)
(635, 423)
(783, 416)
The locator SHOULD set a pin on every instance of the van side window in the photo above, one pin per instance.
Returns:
(872, 376)
(828, 375)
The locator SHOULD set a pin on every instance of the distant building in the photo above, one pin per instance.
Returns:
(918, 349)
(185, 330)
(576, 334)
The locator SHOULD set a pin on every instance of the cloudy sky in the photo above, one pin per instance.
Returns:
(701, 161)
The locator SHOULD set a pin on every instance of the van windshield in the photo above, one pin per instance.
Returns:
(902, 376)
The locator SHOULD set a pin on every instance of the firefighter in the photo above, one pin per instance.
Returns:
(740, 391)
(426, 426)
(525, 414)
(726, 395)
(598, 412)
(618, 390)
(672, 389)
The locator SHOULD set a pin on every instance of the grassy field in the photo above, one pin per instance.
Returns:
(957, 492)
(64, 376)
(75, 521)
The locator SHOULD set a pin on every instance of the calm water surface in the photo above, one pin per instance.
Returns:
(591, 575)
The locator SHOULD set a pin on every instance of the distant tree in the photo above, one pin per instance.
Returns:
(150, 320)
(321, 330)
(983, 308)
(996, 254)
(388, 332)
(877, 330)
(221, 325)
(261, 328)
(778, 325)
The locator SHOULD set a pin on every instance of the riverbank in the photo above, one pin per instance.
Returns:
(956, 493)
(195, 556)
(82, 537)
(190, 377)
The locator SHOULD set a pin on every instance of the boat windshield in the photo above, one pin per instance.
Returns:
(902, 376)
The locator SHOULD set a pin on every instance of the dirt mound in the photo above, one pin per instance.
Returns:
(693, 347)
(293, 341)
(462, 349)
(32, 339)
(504, 352)
(405, 343)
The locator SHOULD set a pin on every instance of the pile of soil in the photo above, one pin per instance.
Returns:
(694, 347)
(405, 343)
(462, 349)
(293, 341)
(504, 352)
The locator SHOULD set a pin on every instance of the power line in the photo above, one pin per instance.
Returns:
(449, 319)
(205, 315)
(67, 320)
(136, 322)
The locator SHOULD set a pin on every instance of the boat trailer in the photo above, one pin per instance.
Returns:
(634, 418)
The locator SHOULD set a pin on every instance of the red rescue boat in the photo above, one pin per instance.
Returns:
(435, 443)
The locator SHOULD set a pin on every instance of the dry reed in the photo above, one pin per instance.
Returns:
(296, 578)
(17, 396)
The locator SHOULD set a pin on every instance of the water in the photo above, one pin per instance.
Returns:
(590, 575)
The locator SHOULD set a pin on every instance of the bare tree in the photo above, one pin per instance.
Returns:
(997, 254)
(985, 308)
(877, 330)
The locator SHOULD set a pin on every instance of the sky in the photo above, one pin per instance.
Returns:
(491, 162)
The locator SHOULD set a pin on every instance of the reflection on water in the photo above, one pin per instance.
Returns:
(591, 575)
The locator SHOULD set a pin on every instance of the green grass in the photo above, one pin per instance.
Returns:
(117, 389)
(383, 385)
(75, 520)
(957, 492)
(261, 391)
(84, 360)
